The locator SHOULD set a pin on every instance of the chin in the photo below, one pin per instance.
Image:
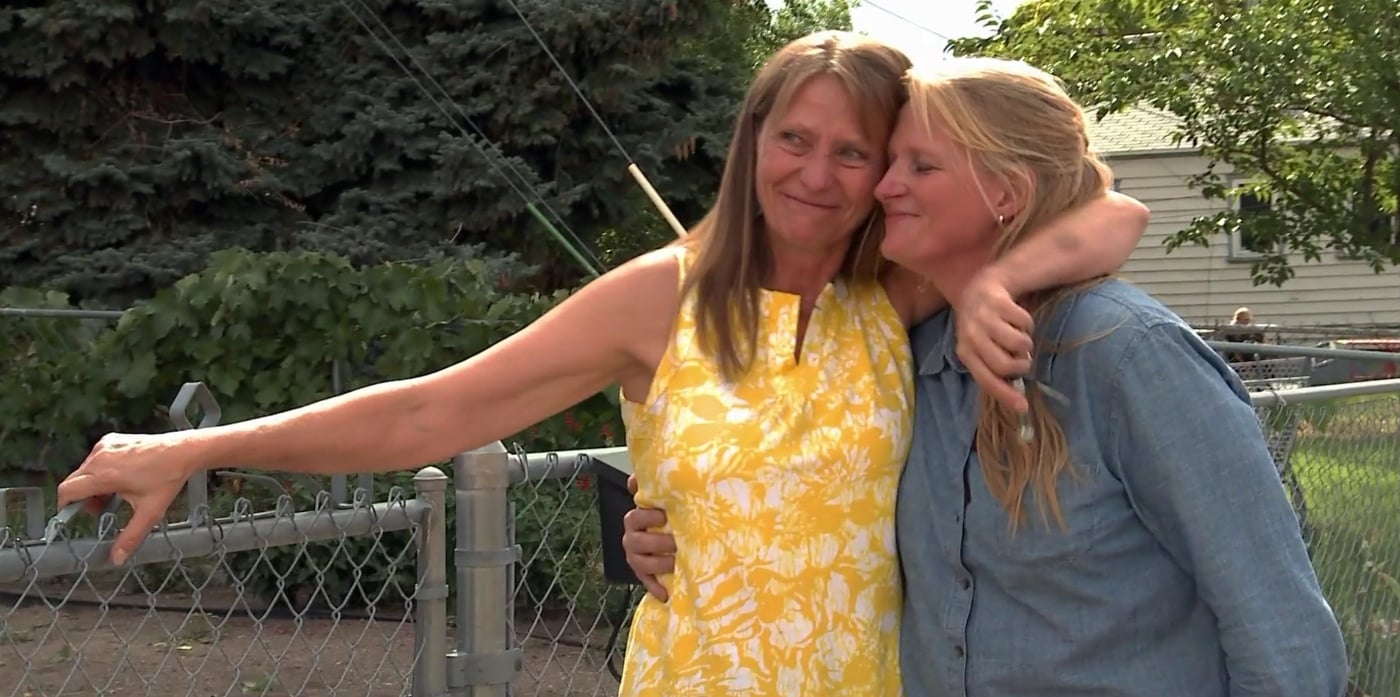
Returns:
(812, 235)
(891, 248)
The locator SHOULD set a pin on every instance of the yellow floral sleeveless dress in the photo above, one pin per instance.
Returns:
(780, 492)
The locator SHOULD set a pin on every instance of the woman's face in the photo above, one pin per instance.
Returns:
(817, 168)
(938, 205)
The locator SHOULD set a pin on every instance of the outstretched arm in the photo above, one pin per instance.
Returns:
(588, 342)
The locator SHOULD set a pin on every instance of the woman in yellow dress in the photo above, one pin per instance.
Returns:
(766, 373)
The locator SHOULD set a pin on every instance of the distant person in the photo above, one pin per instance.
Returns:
(1241, 330)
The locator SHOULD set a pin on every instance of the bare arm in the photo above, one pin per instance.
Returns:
(1089, 241)
(604, 334)
(577, 349)
(993, 330)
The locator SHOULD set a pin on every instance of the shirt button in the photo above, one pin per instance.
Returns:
(964, 583)
(958, 651)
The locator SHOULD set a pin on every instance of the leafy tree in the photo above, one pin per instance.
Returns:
(1298, 96)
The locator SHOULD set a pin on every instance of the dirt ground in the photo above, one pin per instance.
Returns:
(83, 650)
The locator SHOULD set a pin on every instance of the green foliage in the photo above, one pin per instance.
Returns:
(141, 137)
(46, 402)
(793, 20)
(1298, 97)
(265, 333)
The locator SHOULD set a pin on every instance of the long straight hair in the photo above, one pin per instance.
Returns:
(1016, 123)
(732, 256)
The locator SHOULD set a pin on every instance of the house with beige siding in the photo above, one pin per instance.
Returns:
(1205, 284)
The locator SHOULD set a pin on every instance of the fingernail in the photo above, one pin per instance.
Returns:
(119, 557)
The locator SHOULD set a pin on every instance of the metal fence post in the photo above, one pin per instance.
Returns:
(430, 597)
(485, 661)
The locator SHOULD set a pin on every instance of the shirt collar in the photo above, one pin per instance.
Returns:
(935, 344)
(935, 341)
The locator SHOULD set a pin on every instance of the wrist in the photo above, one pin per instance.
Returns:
(203, 450)
(997, 275)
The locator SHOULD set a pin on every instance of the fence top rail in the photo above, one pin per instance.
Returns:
(1323, 393)
(1308, 351)
(533, 467)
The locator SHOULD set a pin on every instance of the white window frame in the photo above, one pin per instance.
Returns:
(1236, 251)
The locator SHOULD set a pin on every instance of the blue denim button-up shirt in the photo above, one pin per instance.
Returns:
(1181, 572)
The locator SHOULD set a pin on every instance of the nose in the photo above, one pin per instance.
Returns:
(816, 173)
(890, 186)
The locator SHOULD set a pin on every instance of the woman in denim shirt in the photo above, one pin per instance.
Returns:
(1129, 535)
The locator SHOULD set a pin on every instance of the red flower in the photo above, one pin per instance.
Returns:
(583, 483)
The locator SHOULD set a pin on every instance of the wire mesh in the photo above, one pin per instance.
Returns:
(306, 603)
(1341, 465)
(570, 622)
(1338, 459)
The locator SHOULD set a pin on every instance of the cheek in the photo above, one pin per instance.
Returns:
(860, 184)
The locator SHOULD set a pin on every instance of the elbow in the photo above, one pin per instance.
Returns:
(1136, 215)
(1308, 659)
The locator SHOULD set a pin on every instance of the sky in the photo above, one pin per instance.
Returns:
(914, 26)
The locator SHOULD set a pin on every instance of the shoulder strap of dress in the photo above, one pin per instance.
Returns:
(683, 260)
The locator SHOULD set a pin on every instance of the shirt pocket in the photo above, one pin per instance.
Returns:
(1039, 541)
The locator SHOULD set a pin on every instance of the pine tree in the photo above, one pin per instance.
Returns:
(141, 135)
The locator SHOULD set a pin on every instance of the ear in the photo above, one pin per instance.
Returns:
(1014, 192)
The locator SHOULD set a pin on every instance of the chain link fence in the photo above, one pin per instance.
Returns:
(1277, 356)
(1338, 450)
(313, 589)
(571, 605)
(285, 586)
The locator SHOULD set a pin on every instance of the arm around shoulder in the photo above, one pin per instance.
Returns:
(1089, 241)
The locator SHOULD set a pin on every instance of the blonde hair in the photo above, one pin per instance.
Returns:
(731, 253)
(1016, 123)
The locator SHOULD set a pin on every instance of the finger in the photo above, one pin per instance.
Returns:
(988, 356)
(640, 519)
(1005, 361)
(78, 486)
(652, 565)
(143, 520)
(995, 387)
(95, 505)
(1010, 338)
(1005, 365)
(653, 543)
(654, 587)
(632, 484)
(647, 544)
(1014, 314)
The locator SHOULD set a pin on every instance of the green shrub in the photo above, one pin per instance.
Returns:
(269, 332)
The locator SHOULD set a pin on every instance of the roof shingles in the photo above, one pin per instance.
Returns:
(1135, 130)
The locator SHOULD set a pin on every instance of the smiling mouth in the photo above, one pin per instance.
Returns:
(807, 203)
